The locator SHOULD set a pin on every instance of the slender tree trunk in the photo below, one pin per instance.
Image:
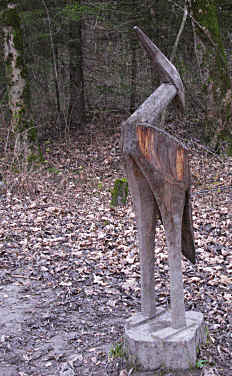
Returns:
(54, 52)
(213, 69)
(76, 112)
(56, 80)
(133, 44)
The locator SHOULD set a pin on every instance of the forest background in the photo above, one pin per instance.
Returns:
(65, 64)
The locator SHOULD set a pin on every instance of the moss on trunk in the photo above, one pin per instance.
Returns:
(119, 192)
(22, 125)
(216, 84)
(18, 88)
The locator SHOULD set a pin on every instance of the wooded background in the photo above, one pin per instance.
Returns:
(80, 60)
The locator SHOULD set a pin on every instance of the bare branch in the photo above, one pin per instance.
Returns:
(185, 15)
(173, 54)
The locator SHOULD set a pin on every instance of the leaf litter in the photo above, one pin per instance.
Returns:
(69, 273)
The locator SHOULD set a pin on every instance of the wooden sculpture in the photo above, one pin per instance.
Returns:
(157, 168)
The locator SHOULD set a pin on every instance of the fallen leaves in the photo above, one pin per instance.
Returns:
(71, 241)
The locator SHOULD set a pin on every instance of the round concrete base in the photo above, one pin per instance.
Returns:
(153, 343)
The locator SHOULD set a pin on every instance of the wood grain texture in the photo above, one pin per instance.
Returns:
(159, 178)
(167, 71)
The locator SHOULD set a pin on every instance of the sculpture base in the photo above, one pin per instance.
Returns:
(153, 343)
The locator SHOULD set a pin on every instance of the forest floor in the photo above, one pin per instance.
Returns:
(69, 272)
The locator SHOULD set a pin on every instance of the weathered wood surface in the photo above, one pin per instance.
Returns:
(166, 70)
(159, 179)
(164, 163)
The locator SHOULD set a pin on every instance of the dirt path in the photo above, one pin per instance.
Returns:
(41, 335)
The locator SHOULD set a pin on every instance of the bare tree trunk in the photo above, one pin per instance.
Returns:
(133, 44)
(76, 112)
(54, 59)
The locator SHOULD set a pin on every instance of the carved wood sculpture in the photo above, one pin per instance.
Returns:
(159, 180)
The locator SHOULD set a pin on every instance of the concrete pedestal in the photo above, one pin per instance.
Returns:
(153, 343)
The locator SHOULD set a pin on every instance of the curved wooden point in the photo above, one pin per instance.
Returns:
(167, 71)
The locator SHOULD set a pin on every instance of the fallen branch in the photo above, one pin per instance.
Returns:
(24, 277)
(173, 54)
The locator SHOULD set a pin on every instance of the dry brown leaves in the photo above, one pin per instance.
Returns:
(64, 234)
